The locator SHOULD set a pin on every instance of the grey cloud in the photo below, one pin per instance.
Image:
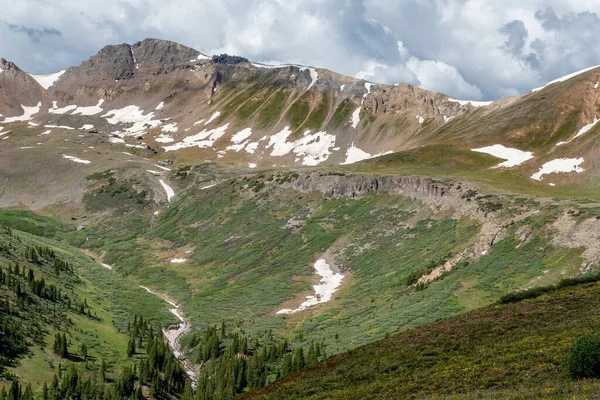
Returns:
(516, 36)
(35, 35)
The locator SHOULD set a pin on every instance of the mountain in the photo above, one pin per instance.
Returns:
(287, 214)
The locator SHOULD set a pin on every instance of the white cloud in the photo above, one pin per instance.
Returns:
(488, 49)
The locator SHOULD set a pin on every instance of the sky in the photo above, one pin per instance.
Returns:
(468, 49)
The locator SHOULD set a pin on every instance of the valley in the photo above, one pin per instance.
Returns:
(265, 219)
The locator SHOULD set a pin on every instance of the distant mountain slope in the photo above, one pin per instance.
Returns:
(185, 106)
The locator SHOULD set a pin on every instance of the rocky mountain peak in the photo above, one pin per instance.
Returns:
(156, 53)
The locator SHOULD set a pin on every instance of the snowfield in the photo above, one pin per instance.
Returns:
(46, 81)
(75, 159)
(559, 165)
(512, 156)
(178, 260)
(328, 285)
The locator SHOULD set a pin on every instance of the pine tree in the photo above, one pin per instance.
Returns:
(131, 347)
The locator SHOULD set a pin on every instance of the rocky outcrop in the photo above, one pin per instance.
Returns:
(336, 186)
(154, 53)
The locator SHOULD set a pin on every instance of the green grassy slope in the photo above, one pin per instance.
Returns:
(502, 351)
(93, 308)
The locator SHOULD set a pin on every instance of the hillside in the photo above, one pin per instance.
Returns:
(285, 210)
(508, 351)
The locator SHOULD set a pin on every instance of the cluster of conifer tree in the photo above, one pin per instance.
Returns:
(234, 363)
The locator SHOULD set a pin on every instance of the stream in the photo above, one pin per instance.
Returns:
(173, 332)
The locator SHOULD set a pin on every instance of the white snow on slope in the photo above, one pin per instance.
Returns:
(27, 113)
(566, 77)
(75, 159)
(178, 260)
(354, 154)
(170, 192)
(89, 110)
(310, 149)
(63, 110)
(172, 128)
(313, 149)
(356, 117)
(471, 102)
(160, 106)
(162, 138)
(279, 142)
(87, 127)
(420, 119)
(239, 140)
(46, 132)
(106, 266)
(47, 80)
(559, 165)
(59, 127)
(161, 167)
(328, 285)
(267, 66)
(212, 118)
(314, 75)
(132, 114)
(342, 87)
(512, 156)
(583, 130)
(203, 139)
(241, 135)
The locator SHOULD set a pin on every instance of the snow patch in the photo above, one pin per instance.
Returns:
(161, 167)
(342, 87)
(582, 131)
(178, 260)
(46, 81)
(202, 140)
(89, 110)
(160, 106)
(559, 165)
(251, 165)
(27, 113)
(87, 127)
(471, 102)
(162, 138)
(354, 154)
(356, 117)
(46, 132)
(512, 156)
(75, 159)
(314, 75)
(420, 119)
(132, 114)
(212, 118)
(172, 128)
(170, 192)
(328, 285)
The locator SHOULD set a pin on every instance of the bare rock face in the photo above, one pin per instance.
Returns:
(17, 88)
(111, 63)
(154, 53)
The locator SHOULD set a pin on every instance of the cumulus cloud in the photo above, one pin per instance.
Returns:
(465, 48)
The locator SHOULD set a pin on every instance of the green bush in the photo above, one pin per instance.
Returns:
(584, 358)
